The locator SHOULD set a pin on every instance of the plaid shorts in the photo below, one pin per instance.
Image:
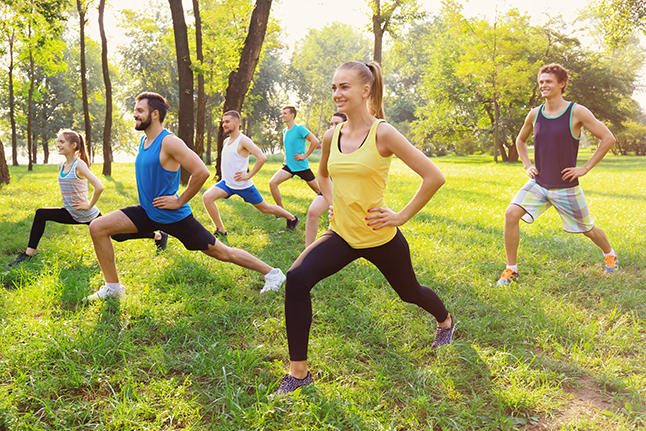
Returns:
(569, 203)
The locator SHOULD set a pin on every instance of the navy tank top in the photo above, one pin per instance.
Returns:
(555, 148)
(153, 181)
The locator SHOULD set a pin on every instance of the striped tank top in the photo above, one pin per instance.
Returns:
(74, 189)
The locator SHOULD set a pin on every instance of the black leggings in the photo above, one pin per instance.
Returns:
(327, 256)
(61, 215)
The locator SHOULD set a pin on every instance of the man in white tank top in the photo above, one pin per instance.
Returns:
(236, 177)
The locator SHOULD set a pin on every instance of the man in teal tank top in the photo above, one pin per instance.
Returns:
(294, 138)
(157, 168)
(553, 181)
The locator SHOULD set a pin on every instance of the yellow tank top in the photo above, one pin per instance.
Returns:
(359, 181)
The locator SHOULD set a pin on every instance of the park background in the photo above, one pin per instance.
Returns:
(194, 346)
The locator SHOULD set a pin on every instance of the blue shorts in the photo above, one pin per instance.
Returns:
(250, 195)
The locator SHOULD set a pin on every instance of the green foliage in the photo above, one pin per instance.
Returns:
(456, 78)
(619, 19)
(194, 345)
(632, 139)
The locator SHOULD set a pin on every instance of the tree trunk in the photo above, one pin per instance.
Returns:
(45, 147)
(512, 155)
(209, 137)
(201, 98)
(496, 129)
(12, 112)
(185, 74)
(107, 126)
(4, 169)
(240, 79)
(378, 31)
(86, 106)
(30, 96)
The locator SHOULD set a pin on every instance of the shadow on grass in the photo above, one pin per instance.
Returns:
(121, 189)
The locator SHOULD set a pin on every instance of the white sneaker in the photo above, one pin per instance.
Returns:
(105, 292)
(273, 282)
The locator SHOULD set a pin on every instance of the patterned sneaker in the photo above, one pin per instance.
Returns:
(105, 292)
(20, 258)
(612, 263)
(273, 282)
(162, 242)
(289, 384)
(291, 224)
(443, 336)
(507, 277)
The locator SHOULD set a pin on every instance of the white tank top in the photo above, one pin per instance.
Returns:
(233, 162)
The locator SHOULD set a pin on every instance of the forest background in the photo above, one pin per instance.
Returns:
(456, 83)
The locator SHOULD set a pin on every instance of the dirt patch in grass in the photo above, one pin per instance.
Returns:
(587, 401)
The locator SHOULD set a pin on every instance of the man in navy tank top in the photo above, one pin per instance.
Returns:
(553, 180)
(157, 170)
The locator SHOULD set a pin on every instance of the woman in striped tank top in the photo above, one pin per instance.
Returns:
(73, 176)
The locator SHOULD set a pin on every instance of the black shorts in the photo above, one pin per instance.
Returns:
(189, 231)
(307, 174)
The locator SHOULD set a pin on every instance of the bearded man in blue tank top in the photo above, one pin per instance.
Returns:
(554, 179)
(157, 169)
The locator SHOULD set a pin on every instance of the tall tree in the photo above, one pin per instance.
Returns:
(107, 125)
(12, 110)
(185, 75)
(10, 25)
(240, 79)
(201, 98)
(82, 9)
(30, 150)
(387, 17)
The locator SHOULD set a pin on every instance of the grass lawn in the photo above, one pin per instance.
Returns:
(194, 346)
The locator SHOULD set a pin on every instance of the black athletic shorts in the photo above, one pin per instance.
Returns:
(307, 174)
(189, 231)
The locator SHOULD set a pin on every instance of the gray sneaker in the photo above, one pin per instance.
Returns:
(443, 336)
(289, 384)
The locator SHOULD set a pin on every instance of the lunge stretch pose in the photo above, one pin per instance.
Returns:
(357, 155)
(554, 181)
(236, 180)
(157, 170)
(319, 204)
(294, 137)
(73, 176)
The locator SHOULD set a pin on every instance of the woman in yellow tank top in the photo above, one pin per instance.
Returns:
(357, 155)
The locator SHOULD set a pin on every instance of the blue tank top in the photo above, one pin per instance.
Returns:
(555, 148)
(153, 181)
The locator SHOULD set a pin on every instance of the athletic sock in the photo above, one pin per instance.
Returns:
(612, 253)
(271, 273)
(513, 267)
(114, 286)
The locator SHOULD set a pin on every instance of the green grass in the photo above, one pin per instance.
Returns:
(195, 347)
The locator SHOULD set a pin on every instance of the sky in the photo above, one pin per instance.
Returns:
(297, 17)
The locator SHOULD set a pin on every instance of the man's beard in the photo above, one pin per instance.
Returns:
(143, 125)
